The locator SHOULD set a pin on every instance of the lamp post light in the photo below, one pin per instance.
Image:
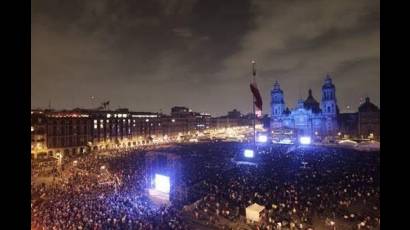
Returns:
(59, 160)
(333, 224)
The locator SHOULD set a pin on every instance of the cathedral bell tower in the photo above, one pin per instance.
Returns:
(329, 106)
(277, 105)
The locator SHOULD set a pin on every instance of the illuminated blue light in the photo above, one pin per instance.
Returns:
(248, 153)
(162, 183)
(286, 141)
(305, 140)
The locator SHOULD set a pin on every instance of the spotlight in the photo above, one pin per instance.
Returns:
(248, 153)
(162, 183)
(262, 138)
(305, 140)
(286, 141)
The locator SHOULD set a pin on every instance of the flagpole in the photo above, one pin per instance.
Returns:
(253, 106)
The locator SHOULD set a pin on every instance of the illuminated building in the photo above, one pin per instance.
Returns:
(68, 132)
(80, 130)
(309, 116)
(233, 118)
(38, 133)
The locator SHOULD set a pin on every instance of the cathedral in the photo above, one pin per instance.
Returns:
(309, 117)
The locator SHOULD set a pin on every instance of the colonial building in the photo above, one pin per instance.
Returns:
(309, 117)
(369, 120)
(38, 133)
(80, 131)
(348, 124)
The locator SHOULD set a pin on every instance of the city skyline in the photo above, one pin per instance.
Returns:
(152, 55)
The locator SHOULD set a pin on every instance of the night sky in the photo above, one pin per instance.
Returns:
(151, 55)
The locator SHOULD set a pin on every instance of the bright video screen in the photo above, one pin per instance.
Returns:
(248, 153)
(305, 140)
(162, 183)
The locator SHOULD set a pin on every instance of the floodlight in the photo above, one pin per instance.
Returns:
(305, 140)
(262, 138)
(286, 141)
(162, 183)
(248, 153)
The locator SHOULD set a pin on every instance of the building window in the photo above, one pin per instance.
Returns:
(328, 109)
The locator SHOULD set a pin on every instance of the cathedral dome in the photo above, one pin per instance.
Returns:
(311, 103)
(368, 106)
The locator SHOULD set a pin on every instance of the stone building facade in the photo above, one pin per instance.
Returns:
(309, 117)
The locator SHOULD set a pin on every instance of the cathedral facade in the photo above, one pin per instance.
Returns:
(309, 117)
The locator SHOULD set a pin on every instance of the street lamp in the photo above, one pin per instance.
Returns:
(59, 158)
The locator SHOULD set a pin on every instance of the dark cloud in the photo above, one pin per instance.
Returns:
(148, 55)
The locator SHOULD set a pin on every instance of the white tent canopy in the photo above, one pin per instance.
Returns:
(253, 212)
(348, 143)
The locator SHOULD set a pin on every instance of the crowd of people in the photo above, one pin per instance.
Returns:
(300, 188)
(81, 200)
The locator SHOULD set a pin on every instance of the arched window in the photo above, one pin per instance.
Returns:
(328, 109)
(276, 111)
